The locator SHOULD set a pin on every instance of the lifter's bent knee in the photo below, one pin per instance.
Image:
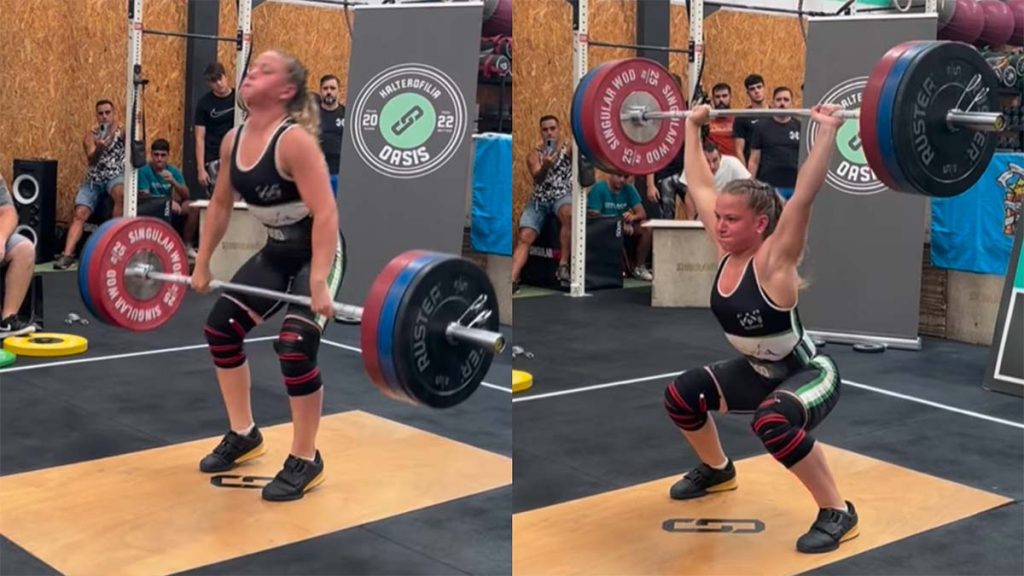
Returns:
(779, 423)
(225, 332)
(690, 397)
(297, 347)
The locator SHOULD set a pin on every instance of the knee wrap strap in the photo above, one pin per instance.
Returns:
(689, 397)
(225, 332)
(779, 423)
(296, 348)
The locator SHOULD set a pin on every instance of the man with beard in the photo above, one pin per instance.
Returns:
(720, 130)
(743, 128)
(775, 146)
(332, 126)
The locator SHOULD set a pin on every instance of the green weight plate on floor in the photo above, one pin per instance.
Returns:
(6, 358)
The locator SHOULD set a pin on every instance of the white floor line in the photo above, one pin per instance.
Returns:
(359, 350)
(181, 349)
(847, 382)
(117, 356)
(935, 404)
(595, 387)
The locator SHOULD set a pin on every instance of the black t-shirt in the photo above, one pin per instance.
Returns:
(743, 127)
(332, 127)
(780, 151)
(218, 116)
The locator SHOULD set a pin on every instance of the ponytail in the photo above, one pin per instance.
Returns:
(305, 110)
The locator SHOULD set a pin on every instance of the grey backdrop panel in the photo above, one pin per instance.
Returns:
(1006, 364)
(865, 242)
(430, 53)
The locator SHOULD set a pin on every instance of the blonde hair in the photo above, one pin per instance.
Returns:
(303, 107)
(764, 201)
(761, 198)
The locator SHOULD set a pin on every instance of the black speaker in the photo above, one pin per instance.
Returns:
(34, 190)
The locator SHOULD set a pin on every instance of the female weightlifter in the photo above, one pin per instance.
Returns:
(780, 377)
(274, 161)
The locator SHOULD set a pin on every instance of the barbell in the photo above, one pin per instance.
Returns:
(429, 326)
(924, 120)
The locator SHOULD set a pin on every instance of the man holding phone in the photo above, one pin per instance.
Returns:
(551, 168)
(103, 145)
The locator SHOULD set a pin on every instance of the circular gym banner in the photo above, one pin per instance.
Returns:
(408, 120)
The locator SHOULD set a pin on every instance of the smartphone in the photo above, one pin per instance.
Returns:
(549, 146)
(103, 130)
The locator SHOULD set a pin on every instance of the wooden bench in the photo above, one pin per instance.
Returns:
(244, 238)
(685, 262)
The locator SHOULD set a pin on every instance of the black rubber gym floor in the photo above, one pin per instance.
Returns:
(152, 397)
(579, 444)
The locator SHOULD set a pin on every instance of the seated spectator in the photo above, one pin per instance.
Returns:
(104, 150)
(158, 179)
(617, 197)
(18, 260)
(550, 164)
(724, 168)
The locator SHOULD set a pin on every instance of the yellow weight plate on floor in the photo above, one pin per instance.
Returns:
(521, 381)
(46, 344)
(6, 358)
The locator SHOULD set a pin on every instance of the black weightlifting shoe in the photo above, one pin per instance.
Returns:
(234, 449)
(296, 478)
(832, 528)
(704, 480)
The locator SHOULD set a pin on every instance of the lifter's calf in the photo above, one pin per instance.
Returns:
(688, 399)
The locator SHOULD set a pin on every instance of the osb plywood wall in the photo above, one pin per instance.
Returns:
(319, 38)
(736, 44)
(55, 67)
(58, 58)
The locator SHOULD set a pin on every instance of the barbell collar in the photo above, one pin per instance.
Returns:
(482, 338)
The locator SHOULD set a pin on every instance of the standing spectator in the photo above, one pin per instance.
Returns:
(214, 117)
(159, 179)
(720, 130)
(616, 197)
(661, 200)
(775, 146)
(332, 126)
(550, 165)
(743, 128)
(104, 151)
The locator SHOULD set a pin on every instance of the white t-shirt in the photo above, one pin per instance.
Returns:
(729, 169)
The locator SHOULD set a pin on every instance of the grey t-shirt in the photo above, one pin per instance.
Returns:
(5, 195)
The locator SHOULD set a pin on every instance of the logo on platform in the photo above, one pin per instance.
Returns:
(717, 525)
(849, 170)
(410, 120)
(235, 481)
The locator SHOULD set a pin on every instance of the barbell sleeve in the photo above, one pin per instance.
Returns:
(979, 121)
(482, 338)
(454, 331)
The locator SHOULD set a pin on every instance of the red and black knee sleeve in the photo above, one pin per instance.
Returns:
(225, 332)
(779, 423)
(297, 347)
(689, 398)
